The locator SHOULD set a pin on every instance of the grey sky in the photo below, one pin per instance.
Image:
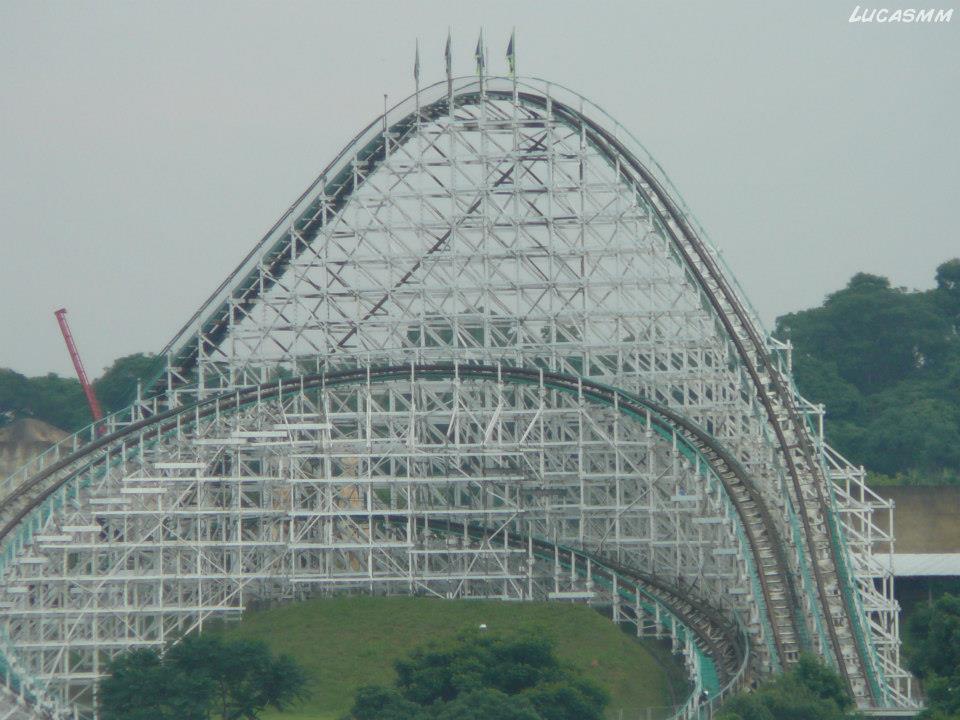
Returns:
(145, 147)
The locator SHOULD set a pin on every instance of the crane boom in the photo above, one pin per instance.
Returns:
(92, 401)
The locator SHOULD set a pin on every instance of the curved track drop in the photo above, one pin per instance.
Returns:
(487, 331)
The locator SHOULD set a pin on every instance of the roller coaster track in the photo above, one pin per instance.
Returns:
(772, 570)
(809, 484)
(811, 591)
(806, 476)
(724, 643)
(722, 640)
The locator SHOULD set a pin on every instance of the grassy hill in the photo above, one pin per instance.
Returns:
(344, 643)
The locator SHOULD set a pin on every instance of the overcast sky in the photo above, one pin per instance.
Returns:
(145, 147)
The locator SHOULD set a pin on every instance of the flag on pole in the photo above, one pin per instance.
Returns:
(448, 59)
(416, 77)
(512, 55)
(478, 54)
(416, 64)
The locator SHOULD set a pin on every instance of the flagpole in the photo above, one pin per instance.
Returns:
(478, 56)
(448, 61)
(512, 62)
(416, 79)
(483, 65)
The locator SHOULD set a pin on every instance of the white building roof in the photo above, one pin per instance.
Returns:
(925, 564)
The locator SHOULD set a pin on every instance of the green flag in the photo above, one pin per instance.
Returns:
(478, 54)
(416, 64)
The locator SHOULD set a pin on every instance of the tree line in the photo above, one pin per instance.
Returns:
(474, 677)
(886, 363)
(60, 401)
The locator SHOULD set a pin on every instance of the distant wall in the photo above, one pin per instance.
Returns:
(13, 455)
(925, 519)
(24, 439)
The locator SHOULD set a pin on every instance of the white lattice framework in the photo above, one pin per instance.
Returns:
(517, 227)
(423, 485)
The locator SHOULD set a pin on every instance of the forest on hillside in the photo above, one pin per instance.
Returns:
(884, 360)
(60, 401)
(886, 363)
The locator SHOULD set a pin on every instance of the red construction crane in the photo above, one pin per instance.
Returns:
(78, 366)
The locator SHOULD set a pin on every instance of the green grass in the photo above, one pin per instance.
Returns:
(346, 642)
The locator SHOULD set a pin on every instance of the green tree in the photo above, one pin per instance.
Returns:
(876, 335)
(919, 433)
(808, 691)
(935, 638)
(483, 676)
(51, 398)
(487, 704)
(61, 401)
(14, 395)
(886, 363)
(117, 387)
(141, 687)
(58, 401)
(380, 703)
(245, 676)
(948, 291)
(203, 676)
(948, 278)
(934, 655)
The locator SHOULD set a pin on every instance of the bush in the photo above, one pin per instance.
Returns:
(808, 691)
(480, 677)
(199, 678)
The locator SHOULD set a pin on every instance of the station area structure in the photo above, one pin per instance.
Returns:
(487, 353)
